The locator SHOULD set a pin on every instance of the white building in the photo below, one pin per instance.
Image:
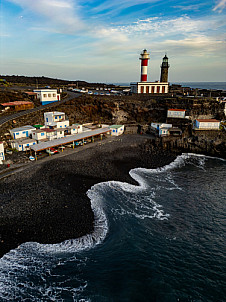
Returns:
(75, 129)
(206, 124)
(21, 132)
(116, 130)
(23, 144)
(55, 119)
(59, 133)
(149, 87)
(47, 96)
(50, 133)
(38, 134)
(161, 129)
(2, 153)
(176, 113)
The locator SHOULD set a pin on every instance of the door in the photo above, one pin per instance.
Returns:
(142, 89)
(163, 89)
(147, 89)
(158, 89)
(153, 89)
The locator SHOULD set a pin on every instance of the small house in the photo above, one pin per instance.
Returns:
(24, 131)
(55, 119)
(47, 96)
(59, 133)
(206, 124)
(116, 130)
(50, 133)
(38, 134)
(176, 113)
(161, 129)
(18, 105)
(2, 153)
(23, 144)
(75, 129)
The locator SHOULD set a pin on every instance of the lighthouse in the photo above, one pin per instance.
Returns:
(145, 87)
(144, 57)
(164, 69)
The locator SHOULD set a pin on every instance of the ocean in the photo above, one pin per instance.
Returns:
(163, 240)
(201, 85)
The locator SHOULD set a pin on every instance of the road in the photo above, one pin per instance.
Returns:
(5, 119)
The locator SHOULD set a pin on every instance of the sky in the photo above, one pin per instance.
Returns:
(101, 41)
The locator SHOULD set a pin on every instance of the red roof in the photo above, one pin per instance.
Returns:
(16, 103)
(208, 120)
(30, 93)
(47, 130)
(176, 110)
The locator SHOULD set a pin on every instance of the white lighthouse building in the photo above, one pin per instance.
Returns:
(144, 86)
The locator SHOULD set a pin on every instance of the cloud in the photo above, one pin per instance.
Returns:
(220, 5)
(188, 7)
(63, 14)
(117, 5)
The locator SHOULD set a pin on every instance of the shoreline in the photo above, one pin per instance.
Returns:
(27, 213)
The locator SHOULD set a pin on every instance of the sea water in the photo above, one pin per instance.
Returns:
(200, 85)
(163, 240)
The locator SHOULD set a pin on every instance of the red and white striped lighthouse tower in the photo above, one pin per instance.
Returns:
(144, 57)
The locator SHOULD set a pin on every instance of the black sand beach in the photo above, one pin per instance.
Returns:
(47, 202)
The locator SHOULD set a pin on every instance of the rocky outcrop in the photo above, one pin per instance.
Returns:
(211, 143)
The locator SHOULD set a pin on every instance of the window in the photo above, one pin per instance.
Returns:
(33, 143)
(55, 117)
(17, 133)
(113, 130)
(42, 134)
(20, 146)
(49, 95)
(59, 116)
(27, 145)
(60, 126)
(24, 132)
(65, 125)
(47, 119)
(54, 94)
(44, 95)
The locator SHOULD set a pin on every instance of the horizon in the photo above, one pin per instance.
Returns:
(115, 83)
(100, 41)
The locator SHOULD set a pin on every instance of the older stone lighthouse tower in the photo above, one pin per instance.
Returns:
(164, 69)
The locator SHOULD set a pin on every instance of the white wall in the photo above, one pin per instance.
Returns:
(24, 132)
(22, 146)
(38, 135)
(47, 95)
(76, 130)
(208, 125)
(176, 114)
(118, 131)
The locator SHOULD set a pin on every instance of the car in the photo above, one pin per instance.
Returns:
(90, 92)
(101, 93)
(51, 151)
(96, 93)
(31, 158)
(108, 93)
